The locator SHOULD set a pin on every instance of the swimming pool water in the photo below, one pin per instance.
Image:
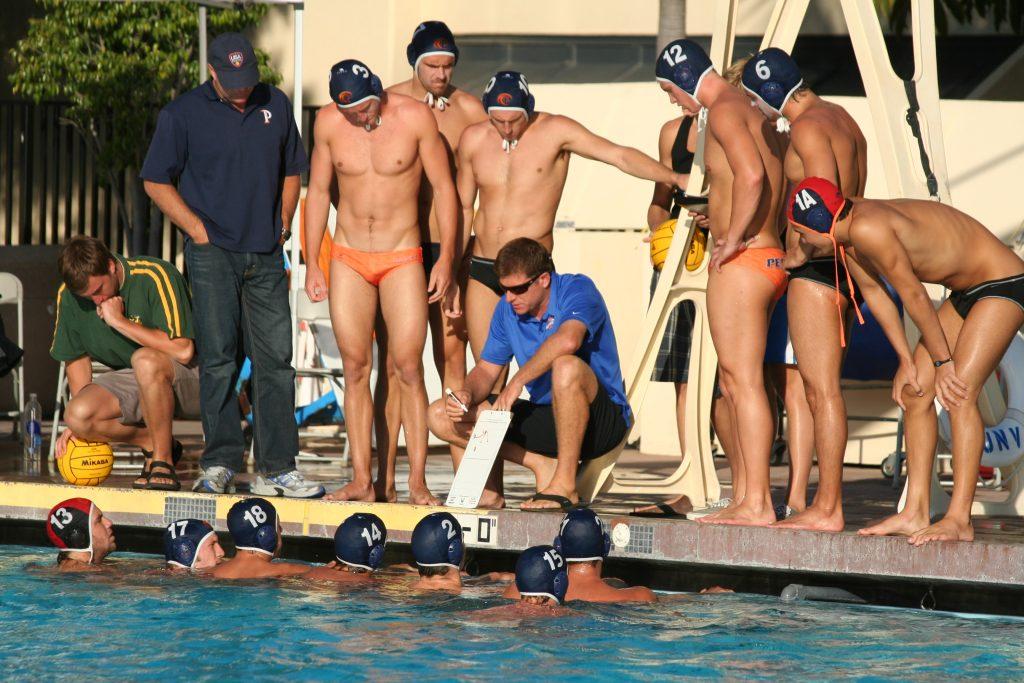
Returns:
(139, 622)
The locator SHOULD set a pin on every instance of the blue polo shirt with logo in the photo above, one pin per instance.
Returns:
(572, 297)
(229, 166)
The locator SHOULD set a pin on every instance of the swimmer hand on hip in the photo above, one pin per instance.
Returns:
(316, 283)
(726, 250)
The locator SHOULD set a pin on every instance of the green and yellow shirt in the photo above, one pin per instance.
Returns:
(155, 296)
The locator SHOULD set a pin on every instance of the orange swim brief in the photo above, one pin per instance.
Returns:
(374, 266)
(768, 262)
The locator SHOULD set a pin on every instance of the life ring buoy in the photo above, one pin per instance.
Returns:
(1004, 443)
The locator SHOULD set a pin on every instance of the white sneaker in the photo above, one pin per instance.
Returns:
(290, 485)
(720, 504)
(217, 479)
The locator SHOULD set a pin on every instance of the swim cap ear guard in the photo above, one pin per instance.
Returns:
(431, 38)
(684, 64)
(360, 541)
(183, 539)
(253, 525)
(69, 526)
(437, 541)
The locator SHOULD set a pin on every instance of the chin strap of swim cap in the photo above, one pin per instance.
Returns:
(839, 252)
(782, 124)
(441, 102)
(369, 127)
(509, 145)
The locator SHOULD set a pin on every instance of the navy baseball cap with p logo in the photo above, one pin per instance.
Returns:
(772, 77)
(352, 83)
(234, 61)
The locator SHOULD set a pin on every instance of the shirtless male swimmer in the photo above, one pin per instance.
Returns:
(908, 242)
(377, 146)
(743, 161)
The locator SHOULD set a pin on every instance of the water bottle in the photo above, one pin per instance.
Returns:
(32, 432)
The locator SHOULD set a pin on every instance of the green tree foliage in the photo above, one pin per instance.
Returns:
(118, 63)
(1001, 13)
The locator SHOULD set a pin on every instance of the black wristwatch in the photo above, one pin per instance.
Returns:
(940, 363)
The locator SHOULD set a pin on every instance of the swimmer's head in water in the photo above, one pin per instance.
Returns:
(360, 540)
(433, 54)
(356, 91)
(771, 77)
(682, 66)
(540, 571)
(77, 525)
(581, 537)
(814, 204)
(509, 104)
(191, 544)
(254, 526)
(437, 541)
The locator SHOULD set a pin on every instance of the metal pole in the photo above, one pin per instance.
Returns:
(297, 284)
(202, 44)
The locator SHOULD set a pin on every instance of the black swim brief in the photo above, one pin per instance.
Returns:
(431, 253)
(822, 271)
(533, 427)
(1011, 288)
(482, 270)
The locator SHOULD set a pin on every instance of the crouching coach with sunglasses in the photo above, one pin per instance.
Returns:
(557, 328)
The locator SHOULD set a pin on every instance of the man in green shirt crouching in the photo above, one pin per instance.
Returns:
(134, 316)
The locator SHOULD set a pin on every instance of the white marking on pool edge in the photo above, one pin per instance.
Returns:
(620, 535)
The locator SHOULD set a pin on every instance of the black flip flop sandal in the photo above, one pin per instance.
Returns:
(158, 468)
(665, 511)
(564, 504)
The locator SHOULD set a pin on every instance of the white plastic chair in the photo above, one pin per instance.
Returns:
(12, 293)
(316, 318)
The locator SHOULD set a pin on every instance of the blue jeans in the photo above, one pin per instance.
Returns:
(243, 297)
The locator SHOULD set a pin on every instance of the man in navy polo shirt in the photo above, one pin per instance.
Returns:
(224, 165)
(558, 330)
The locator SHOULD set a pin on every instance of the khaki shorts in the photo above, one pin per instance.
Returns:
(125, 388)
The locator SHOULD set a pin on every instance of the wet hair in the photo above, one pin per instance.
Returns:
(734, 74)
(80, 258)
(523, 255)
(427, 572)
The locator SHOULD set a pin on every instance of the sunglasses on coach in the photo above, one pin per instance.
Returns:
(519, 290)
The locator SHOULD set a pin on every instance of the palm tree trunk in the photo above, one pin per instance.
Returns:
(671, 21)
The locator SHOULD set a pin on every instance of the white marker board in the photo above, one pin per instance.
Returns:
(482, 449)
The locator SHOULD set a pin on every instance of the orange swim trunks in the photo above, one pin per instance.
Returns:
(768, 262)
(374, 266)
